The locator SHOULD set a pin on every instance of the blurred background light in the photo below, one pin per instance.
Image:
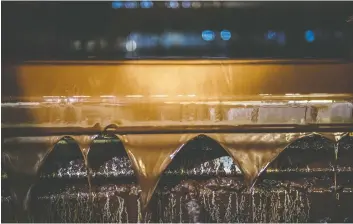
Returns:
(173, 4)
(130, 5)
(271, 35)
(117, 5)
(186, 4)
(208, 35)
(309, 36)
(131, 45)
(146, 4)
(226, 35)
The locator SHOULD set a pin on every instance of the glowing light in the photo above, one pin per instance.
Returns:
(130, 5)
(292, 94)
(72, 100)
(226, 35)
(173, 4)
(186, 4)
(131, 45)
(134, 96)
(208, 35)
(117, 5)
(146, 4)
(81, 96)
(321, 101)
(271, 35)
(309, 36)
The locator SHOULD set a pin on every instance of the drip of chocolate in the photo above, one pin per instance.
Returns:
(254, 152)
(84, 142)
(150, 155)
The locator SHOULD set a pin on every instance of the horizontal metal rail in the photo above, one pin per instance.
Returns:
(175, 129)
(295, 98)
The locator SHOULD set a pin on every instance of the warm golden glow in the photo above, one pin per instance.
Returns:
(150, 84)
(199, 79)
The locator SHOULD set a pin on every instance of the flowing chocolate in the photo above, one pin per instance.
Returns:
(85, 142)
(150, 156)
(253, 152)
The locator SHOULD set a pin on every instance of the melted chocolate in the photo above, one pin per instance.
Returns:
(150, 156)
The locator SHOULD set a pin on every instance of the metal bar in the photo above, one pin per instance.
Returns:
(175, 99)
(176, 129)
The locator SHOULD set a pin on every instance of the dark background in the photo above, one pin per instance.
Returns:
(45, 30)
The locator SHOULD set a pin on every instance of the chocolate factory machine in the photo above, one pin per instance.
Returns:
(95, 129)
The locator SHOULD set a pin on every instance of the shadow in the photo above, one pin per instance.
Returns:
(62, 191)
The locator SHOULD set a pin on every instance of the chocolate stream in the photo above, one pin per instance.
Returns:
(150, 155)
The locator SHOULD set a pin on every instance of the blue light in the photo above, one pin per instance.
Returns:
(173, 4)
(208, 35)
(309, 36)
(130, 5)
(117, 5)
(186, 4)
(146, 4)
(271, 35)
(226, 35)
